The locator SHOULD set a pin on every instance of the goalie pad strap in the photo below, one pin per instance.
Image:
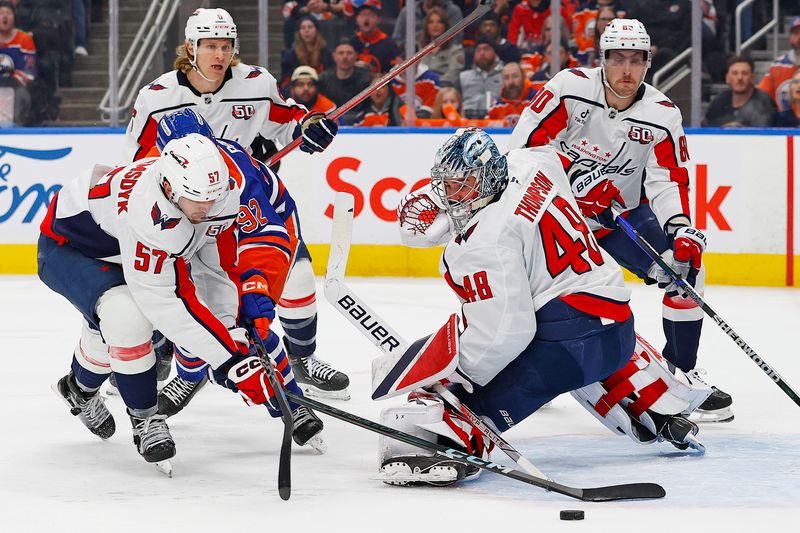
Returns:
(613, 397)
(647, 397)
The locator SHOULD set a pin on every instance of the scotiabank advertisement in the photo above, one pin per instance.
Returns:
(741, 183)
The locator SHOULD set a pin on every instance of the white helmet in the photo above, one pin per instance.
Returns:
(194, 169)
(625, 34)
(211, 24)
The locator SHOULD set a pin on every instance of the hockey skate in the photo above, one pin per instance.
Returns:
(318, 379)
(153, 441)
(306, 429)
(418, 470)
(90, 408)
(717, 407)
(177, 394)
(678, 431)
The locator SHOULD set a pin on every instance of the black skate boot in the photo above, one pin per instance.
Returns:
(679, 431)
(177, 394)
(90, 408)
(717, 407)
(165, 351)
(307, 428)
(318, 379)
(153, 441)
(418, 470)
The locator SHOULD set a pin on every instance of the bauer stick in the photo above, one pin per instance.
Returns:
(648, 249)
(285, 460)
(384, 336)
(628, 491)
(483, 7)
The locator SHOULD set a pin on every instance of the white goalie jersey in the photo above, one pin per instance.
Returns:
(175, 270)
(642, 149)
(521, 251)
(247, 105)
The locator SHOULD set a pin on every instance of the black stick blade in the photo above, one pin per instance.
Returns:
(630, 491)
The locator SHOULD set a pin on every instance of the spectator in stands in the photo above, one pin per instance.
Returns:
(346, 80)
(447, 60)
(448, 106)
(588, 22)
(776, 82)
(53, 28)
(480, 85)
(490, 29)
(305, 91)
(294, 10)
(790, 117)
(17, 66)
(375, 49)
(567, 61)
(742, 105)
(79, 18)
(422, 7)
(426, 86)
(309, 49)
(669, 24)
(527, 22)
(383, 108)
(515, 95)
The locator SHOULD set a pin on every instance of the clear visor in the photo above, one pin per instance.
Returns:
(199, 211)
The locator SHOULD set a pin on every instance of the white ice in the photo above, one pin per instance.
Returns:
(56, 476)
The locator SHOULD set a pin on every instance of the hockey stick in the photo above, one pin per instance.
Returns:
(694, 295)
(630, 491)
(379, 332)
(285, 460)
(483, 7)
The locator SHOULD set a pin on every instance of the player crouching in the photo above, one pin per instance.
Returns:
(544, 311)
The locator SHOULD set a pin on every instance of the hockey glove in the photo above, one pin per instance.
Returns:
(423, 223)
(256, 305)
(594, 193)
(246, 375)
(317, 131)
(688, 245)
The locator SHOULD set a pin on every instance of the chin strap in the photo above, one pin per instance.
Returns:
(606, 84)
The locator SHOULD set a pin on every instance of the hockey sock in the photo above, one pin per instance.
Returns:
(138, 390)
(278, 354)
(191, 369)
(301, 334)
(87, 380)
(683, 339)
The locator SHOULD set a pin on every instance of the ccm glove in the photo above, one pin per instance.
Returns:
(256, 304)
(246, 375)
(317, 131)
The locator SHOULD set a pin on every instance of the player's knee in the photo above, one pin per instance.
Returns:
(126, 331)
(91, 352)
(298, 300)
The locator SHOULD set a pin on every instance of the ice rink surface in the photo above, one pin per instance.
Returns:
(56, 476)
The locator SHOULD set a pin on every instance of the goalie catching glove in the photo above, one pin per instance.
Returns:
(317, 131)
(422, 220)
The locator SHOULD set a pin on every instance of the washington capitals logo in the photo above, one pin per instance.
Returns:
(254, 73)
(163, 220)
(156, 87)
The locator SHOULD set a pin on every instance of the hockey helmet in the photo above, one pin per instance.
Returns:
(214, 23)
(625, 34)
(179, 124)
(468, 171)
(194, 168)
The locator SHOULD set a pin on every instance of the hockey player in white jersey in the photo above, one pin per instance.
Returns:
(621, 140)
(242, 103)
(125, 246)
(544, 311)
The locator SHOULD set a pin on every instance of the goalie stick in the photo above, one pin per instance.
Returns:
(285, 458)
(380, 333)
(483, 7)
(629, 491)
(648, 249)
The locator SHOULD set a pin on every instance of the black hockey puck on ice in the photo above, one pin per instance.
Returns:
(571, 514)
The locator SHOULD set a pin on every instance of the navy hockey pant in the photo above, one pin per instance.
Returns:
(571, 349)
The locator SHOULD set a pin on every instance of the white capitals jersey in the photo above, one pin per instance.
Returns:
(642, 149)
(529, 246)
(246, 106)
(123, 217)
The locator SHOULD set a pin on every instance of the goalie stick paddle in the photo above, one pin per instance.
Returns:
(631, 491)
(380, 333)
(285, 459)
(483, 7)
(648, 249)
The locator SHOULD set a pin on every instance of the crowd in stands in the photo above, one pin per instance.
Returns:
(38, 42)
(489, 73)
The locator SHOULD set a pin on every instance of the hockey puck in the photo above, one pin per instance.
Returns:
(571, 514)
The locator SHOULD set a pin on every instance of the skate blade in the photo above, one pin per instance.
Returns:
(720, 416)
(313, 392)
(695, 444)
(317, 444)
(165, 467)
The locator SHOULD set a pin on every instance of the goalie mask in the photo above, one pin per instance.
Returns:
(468, 172)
